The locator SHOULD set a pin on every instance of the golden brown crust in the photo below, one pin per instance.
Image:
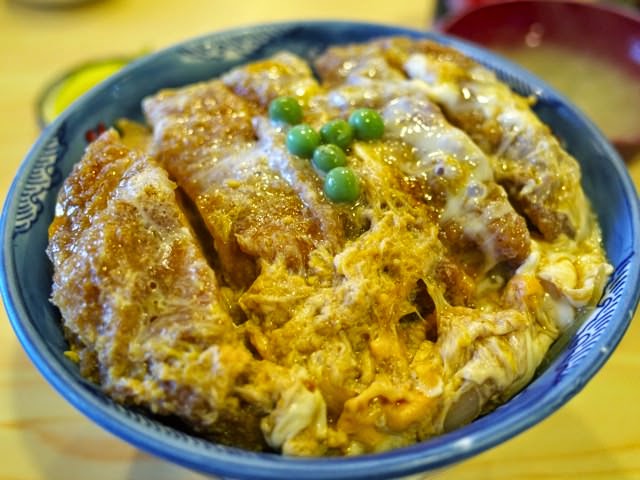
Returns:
(251, 212)
(138, 298)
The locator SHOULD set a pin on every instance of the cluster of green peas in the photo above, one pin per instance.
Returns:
(326, 148)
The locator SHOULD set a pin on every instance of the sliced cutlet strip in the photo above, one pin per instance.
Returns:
(204, 136)
(457, 177)
(262, 81)
(139, 302)
(353, 62)
(443, 164)
(286, 74)
(541, 179)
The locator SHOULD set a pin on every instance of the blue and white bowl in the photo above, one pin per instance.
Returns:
(26, 272)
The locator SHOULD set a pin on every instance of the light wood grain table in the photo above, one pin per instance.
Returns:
(595, 436)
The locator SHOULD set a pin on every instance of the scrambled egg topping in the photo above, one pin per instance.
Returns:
(202, 273)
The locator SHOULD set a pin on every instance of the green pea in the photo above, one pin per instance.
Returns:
(285, 109)
(302, 140)
(338, 132)
(367, 124)
(342, 185)
(327, 157)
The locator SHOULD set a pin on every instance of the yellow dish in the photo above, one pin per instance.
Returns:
(58, 95)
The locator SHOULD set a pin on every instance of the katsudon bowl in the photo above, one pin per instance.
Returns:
(27, 273)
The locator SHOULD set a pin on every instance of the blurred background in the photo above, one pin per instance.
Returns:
(53, 50)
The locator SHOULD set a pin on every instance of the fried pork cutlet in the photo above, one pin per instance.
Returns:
(541, 179)
(444, 165)
(142, 307)
(202, 272)
(203, 136)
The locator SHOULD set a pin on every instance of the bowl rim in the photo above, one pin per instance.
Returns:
(436, 453)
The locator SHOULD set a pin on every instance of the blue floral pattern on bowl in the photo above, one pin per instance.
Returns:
(43, 176)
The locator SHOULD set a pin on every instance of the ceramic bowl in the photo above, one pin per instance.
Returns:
(26, 273)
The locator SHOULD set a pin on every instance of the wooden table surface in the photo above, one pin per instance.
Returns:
(595, 436)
